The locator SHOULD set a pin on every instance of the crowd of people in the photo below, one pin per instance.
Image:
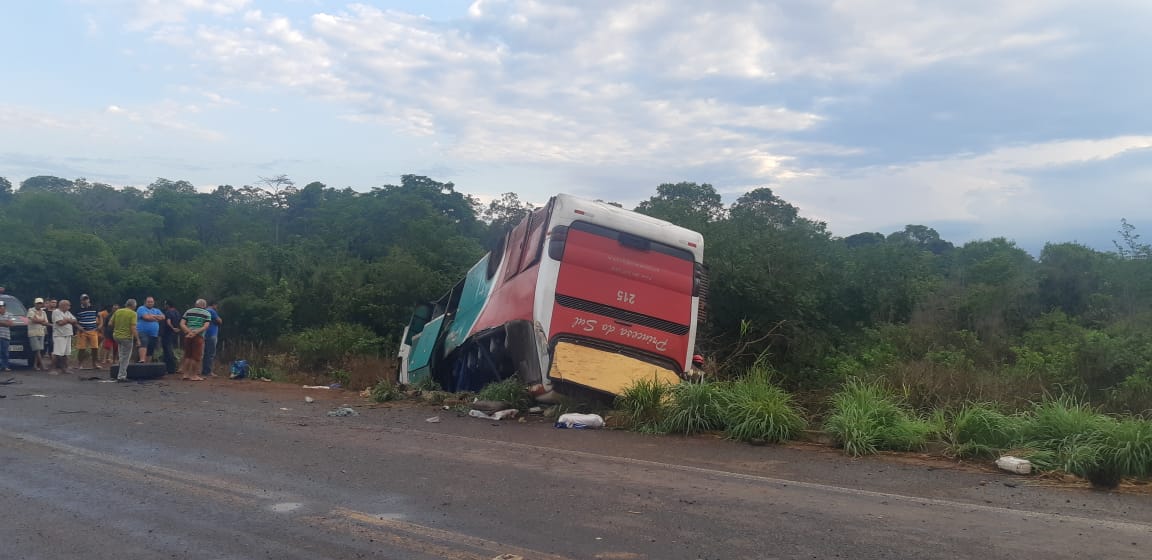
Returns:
(121, 335)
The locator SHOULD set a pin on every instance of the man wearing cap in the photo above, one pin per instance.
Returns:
(87, 339)
(63, 325)
(7, 320)
(37, 330)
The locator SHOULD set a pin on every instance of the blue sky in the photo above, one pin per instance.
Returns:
(981, 118)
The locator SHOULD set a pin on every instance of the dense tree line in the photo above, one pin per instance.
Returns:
(981, 320)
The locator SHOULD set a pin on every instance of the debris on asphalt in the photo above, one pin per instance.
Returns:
(316, 387)
(433, 420)
(366, 393)
(9, 381)
(309, 400)
(490, 406)
(536, 410)
(580, 421)
(508, 557)
(498, 415)
(343, 411)
(39, 396)
(1014, 464)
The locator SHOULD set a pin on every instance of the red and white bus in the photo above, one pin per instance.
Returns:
(579, 292)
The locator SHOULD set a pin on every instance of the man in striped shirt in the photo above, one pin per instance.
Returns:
(87, 340)
(193, 324)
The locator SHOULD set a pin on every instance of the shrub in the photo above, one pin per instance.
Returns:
(695, 408)
(330, 345)
(643, 405)
(509, 390)
(757, 410)
(865, 418)
(980, 430)
(385, 391)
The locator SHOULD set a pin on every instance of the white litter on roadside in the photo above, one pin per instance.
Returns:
(1014, 464)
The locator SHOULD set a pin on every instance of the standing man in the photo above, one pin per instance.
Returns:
(63, 325)
(37, 329)
(194, 323)
(124, 332)
(87, 338)
(210, 339)
(170, 336)
(148, 327)
(6, 320)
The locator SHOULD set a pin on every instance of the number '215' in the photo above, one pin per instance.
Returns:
(626, 297)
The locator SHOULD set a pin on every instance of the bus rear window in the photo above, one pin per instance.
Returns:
(633, 241)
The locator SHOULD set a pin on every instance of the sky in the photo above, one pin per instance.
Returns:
(1027, 119)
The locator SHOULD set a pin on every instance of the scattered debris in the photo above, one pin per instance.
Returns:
(366, 393)
(309, 400)
(579, 421)
(508, 557)
(1014, 464)
(39, 396)
(498, 415)
(343, 411)
(551, 412)
(9, 381)
(536, 410)
(282, 408)
(490, 406)
(316, 387)
(265, 379)
(91, 378)
(433, 420)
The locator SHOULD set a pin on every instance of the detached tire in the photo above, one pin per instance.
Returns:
(139, 372)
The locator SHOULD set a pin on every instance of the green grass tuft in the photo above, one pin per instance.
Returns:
(385, 391)
(695, 408)
(757, 410)
(865, 418)
(643, 405)
(981, 430)
(509, 390)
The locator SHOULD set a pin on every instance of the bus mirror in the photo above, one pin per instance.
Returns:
(556, 242)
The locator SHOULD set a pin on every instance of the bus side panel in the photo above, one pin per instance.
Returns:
(477, 292)
(510, 301)
(424, 344)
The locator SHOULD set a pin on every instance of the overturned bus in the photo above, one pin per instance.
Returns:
(579, 293)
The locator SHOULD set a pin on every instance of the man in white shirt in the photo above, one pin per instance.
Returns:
(38, 322)
(64, 324)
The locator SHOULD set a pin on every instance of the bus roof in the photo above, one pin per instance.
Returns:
(569, 208)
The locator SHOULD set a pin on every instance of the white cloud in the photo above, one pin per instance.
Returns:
(150, 13)
(993, 187)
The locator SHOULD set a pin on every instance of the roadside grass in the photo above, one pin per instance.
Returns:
(695, 408)
(866, 418)
(981, 430)
(1069, 435)
(643, 405)
(756, 410)
(385, 391)
(510, 390)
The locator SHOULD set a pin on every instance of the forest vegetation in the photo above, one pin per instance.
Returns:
(296, 268)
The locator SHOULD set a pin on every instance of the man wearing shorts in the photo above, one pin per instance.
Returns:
(63, 323)
(148, 327)
(87, 339)
(37, 330)
(193, 325)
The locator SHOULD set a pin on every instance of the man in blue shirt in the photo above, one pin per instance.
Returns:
(148, 320)
(210, 341)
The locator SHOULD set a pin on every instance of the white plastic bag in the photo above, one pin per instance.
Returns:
(579, 421)
(1014, 464)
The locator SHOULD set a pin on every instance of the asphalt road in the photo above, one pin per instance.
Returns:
(173, 469)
